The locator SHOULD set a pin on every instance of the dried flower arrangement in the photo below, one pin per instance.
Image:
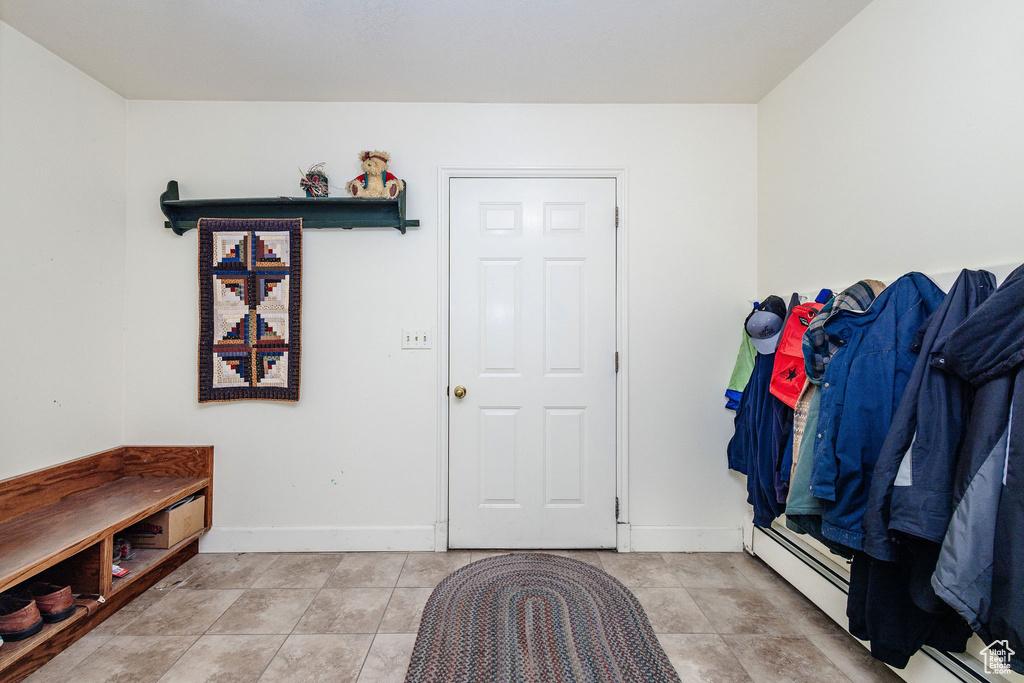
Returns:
(314, 181)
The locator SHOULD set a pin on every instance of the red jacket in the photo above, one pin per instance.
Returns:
(789, 374)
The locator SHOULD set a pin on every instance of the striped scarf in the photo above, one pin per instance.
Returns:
(817, 346)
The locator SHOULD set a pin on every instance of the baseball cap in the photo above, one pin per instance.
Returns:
(764, 324)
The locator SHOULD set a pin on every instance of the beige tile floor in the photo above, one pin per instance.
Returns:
(353, 617)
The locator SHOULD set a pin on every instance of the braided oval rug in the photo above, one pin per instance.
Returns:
(532, 618)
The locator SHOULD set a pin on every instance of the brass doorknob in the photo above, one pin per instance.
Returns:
(460, 391)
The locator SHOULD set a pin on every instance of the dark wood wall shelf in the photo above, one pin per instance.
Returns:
(58, 524)
(315, 212)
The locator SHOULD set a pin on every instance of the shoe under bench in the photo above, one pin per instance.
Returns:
(58, 525)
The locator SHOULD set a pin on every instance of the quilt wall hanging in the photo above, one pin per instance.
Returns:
(250, 294)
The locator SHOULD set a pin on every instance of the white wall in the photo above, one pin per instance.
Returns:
(898, 146)
(62, 217)
(353, 464)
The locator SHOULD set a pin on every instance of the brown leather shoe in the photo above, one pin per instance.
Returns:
(18, 618)
(56, 603)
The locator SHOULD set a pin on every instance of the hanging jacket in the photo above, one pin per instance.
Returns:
(980, 569)
(741, 372)
(801, 412)
(881, 608)
(789, 376)
(911, 490)
(755, 446)
(861, 389)
(818, 348)
(1006, 618)
(785, 377)
(803, 510)
(963, 571)
(782, 433)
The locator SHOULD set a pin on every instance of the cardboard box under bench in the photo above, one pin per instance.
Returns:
(168, 527)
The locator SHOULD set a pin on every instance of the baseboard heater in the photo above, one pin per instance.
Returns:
(826, 582)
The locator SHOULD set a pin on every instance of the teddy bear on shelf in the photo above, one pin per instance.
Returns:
(375, 181)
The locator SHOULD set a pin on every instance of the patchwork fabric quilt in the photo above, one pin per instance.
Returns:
(250, 294)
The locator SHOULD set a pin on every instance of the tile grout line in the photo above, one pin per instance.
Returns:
(381, 620)
(192, 645)
(173, 588)
(198, 637)
(767, 592)
(318, 592)
(118, 631)
(717, 634)
(207, 631)
(782, 613)
(272, 657)
(838, 665)
(701, 610)
(296, 624)
(782, 609)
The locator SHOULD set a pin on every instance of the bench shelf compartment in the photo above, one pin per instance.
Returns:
(58, 525)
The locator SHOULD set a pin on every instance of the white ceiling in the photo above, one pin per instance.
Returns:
(435, 50)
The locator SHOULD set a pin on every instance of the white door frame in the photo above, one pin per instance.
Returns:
(445, 174)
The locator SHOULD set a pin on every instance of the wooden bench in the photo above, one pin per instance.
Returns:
(58, 525)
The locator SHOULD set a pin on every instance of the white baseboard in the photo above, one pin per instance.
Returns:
(222, 539)
(440, 537)
(685, 539)
(623, 542)
(748, 531)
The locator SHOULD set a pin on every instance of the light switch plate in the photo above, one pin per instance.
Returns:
(416, 338)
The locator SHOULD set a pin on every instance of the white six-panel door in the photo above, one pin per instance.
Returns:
(532, 341)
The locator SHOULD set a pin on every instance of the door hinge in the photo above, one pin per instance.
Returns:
(616, 507)
(616, 216)
(616, 361)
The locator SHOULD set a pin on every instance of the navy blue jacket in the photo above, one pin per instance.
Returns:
(912, 486)
(756, 446)
(861, 389)
(980, 570)
(911, 495)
